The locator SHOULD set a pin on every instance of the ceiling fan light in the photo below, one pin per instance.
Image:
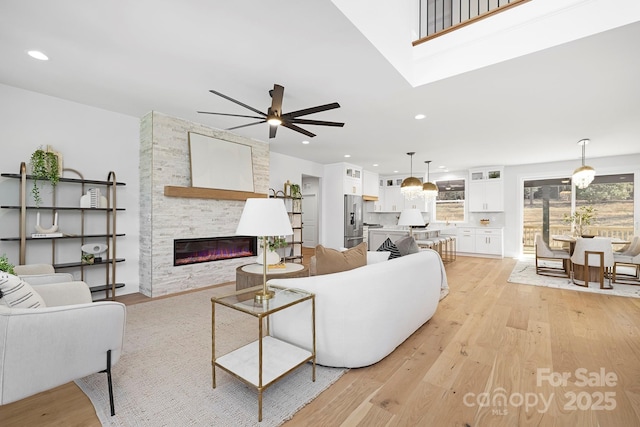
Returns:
(274, 121)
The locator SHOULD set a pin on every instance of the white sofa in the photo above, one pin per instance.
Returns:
(70, 338)
(363, 314)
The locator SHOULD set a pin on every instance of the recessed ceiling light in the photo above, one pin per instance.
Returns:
(305, 142)
(38, 55)
(347, 155)
(442, 167)
(375, 164)
(420, 116)
(395, 171)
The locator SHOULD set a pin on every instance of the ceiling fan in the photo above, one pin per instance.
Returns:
(275, 117)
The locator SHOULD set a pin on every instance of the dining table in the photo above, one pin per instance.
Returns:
(593, 272)
(571, 240)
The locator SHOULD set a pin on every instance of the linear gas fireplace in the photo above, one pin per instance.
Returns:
(192, 251)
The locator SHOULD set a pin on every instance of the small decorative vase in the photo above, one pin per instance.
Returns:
(272, 258)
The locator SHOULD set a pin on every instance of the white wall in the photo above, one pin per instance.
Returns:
(283, 168)
(91, 140)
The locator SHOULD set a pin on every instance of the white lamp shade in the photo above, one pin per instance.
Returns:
(264, 217)
(411, 217)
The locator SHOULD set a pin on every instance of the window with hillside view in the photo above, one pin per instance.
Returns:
(449, 205)
(547, 201)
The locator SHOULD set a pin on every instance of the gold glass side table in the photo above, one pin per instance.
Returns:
(266, 360)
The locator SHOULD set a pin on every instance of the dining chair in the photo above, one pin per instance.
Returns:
(628, 258)
(545, 253)
(592, 253)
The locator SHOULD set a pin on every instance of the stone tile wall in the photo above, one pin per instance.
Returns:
(164, 160)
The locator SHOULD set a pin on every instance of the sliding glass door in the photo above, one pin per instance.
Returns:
(612, 198)
(547, 201)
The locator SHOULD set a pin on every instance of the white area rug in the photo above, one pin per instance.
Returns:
(164, 375)
(525, 273)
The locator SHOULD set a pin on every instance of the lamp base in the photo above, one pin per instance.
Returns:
(264, 295)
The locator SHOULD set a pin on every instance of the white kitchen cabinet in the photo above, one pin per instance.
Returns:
(417, 203)
(486, 190)
(480, 240)
(393, 200)
(352, 179)
(370, 185)
(466, 240)
(378, 205)
(489, 241)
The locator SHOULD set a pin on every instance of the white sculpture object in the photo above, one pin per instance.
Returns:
(52, 229)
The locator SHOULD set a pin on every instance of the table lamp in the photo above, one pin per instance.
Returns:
(411, 218)
(264, 218)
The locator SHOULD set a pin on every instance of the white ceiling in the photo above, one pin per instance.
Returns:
(132, 57)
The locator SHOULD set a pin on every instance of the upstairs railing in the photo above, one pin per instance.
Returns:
(438, 17)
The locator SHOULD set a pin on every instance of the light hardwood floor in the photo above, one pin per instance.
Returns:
(488, 336)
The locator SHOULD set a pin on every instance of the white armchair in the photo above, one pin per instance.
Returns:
(70, 338)
(595, 253)
(630, 258)
(545, 253)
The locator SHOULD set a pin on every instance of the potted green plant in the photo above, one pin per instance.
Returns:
(273, 243)
(5, 265)
(295, 191)
(580, 218)
(44, 167)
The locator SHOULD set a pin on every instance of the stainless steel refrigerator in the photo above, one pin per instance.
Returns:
(352, 220)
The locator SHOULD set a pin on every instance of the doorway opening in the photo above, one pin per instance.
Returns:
(310, 210)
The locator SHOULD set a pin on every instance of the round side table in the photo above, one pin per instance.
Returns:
(250, 275)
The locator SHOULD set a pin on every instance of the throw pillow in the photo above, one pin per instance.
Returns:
(16, 293)
(375, 256)
(407, 245)
(332, 261)
(388, 246)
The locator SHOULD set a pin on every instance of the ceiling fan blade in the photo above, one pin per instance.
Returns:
(276, 99)
(237, 102)
(249, 124)
(272, 131)
(230, 115)
(315, 122)
(298, 129)
(312, 110)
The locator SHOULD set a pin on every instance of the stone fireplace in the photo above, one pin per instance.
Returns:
(164, 161)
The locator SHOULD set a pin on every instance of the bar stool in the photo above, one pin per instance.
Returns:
(426, 243)
(444, 248)
(454, 248)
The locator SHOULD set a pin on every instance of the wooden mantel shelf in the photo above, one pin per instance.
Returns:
(209, 193)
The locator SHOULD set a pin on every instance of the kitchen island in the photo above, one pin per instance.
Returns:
(378, 235)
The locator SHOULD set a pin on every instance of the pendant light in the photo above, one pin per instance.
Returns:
(429, 189)
(583, 175)
(411, 187)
